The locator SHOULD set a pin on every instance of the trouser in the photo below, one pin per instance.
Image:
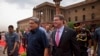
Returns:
(50, 50)
(84, 53)
(14, 54)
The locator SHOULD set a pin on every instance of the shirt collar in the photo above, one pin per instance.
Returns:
(61, 28)
(34, 31)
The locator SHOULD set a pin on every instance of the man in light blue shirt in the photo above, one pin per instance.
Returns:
(12, 41)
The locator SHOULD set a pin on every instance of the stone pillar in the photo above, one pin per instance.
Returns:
(50, 14)
(34, 12)
(44, 13)
(41, 15)
(47, 15)
(57, 4)
(58, 8)
(38, 14)
(48, 19)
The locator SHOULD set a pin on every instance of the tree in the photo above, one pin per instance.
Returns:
(71, 25)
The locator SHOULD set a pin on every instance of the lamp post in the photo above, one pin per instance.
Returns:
(41, 14)
(57, 4)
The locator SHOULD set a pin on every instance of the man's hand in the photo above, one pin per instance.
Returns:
(46, 52)
(11, 52)
(89, 51)
(3, 51)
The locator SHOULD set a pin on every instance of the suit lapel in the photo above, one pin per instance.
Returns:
(63, 35)
(54, 37)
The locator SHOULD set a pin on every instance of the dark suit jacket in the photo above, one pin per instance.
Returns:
(68, 45)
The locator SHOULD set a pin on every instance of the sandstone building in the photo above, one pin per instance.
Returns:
(87, 11)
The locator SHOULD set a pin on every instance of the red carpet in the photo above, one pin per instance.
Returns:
(3, 43)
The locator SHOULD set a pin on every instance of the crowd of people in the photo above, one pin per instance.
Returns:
(53, 39)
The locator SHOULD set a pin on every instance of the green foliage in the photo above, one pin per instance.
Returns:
(71, 25)
(24, 54)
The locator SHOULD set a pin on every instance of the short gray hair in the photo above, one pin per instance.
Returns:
(35, 19)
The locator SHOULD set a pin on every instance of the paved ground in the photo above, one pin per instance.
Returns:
(2, 44)
(1, 52)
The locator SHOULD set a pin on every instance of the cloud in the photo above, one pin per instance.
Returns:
(25, 3)
(12, 11)
(10, 14)
(70, 2)
(20, 2)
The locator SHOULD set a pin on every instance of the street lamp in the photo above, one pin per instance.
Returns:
(41, 14)
(57, 4)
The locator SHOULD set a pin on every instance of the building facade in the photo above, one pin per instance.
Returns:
(84, 12)
(23, 24)
(46, 11)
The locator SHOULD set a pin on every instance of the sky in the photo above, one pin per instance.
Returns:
(12, 11)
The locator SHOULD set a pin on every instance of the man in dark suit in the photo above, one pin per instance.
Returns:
(64, 39)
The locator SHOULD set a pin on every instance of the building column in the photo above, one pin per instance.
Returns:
(50, 14)
(57, 3)
(42, 15)
(43, 18)
(39, 14)
(46, 14)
